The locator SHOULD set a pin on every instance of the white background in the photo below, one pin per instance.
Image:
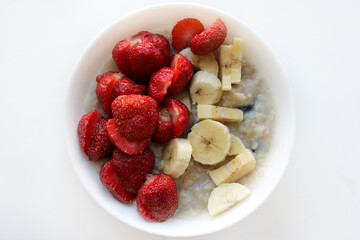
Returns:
(317, 42)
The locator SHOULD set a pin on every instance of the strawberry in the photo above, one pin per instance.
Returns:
(100, 145)
(164, 130)
(104, 89)
(85, 127)
(210, 39)
(120, 55)
(179, 115)
(133, 169)
(144, 59)
(141, 55)
(157, 199)
(162, 44)
(136, 116)
(183, 71)
(111, 181)
(160, 82)
(173, 120)
(127, 146)
(93, 137)
(183, 31)
(126, 87)
(159, 41)
(112, 84)
(108, 76)
(140, 36)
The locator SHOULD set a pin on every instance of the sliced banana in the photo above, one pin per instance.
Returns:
(237, 145)
(203, 63)
(230, 63)
(225, 197)
(238, 167)
(210, 141)
(237, 56)
(205, 88)
(177, 155)
(184, 97)
(222, 114)
(225, 58)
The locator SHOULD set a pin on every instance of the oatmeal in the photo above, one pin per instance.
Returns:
(231, 119)
(253, 97)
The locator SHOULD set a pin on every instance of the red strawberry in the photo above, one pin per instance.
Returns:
(126, 87)
(120, 55)
(164, 130)
(113, 84)
(162, 44)
(104, 89)
(179, 114)
(210, 39)
(141, 55)
(140, 36)
(93, 137)
(133, 169)
(85, 127)
(183, 72)
(144, 59)
(112, 75)
(100, 145)
(111, 181)
(183, 31)
(136, 116)
(159, 41)
(160, 82)
(127, 146)
(157, 198)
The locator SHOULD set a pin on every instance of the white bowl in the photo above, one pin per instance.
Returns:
(255, 48)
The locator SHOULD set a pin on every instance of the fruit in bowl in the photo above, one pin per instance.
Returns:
(137, 119)
(240, 109)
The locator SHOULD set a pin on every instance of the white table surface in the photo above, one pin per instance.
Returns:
(318, 43)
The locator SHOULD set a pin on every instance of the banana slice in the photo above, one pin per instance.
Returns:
(177, 155)
(225, 58)
(222, 114)
(237, 56)
(202, 62)
(205, 88)
(210, 141)
(230, 63)
(225, 197)
(241, 165)
(237, 145)
(184, 97)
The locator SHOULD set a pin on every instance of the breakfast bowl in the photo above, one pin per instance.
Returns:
(156, 19)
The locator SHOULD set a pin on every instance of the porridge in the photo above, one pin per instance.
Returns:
(253, 97)
(241, 115)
